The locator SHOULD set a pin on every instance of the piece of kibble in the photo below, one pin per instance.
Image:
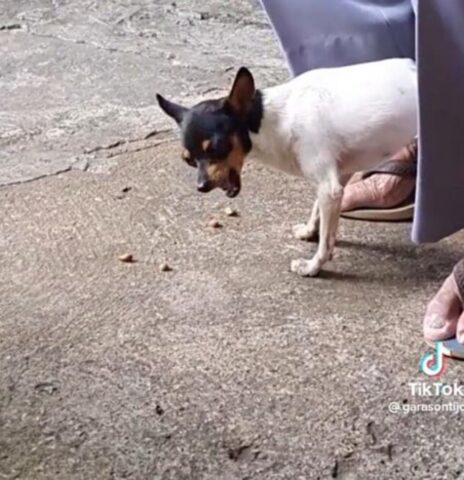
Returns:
(231, 212)
(214, 223)
(126, 258)
(165, 267)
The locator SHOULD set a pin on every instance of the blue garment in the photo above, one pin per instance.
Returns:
(327, 33)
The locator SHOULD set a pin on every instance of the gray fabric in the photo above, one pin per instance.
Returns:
(324, 33)
(440, 197)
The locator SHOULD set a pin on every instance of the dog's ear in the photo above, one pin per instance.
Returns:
(174, 110)
(243, 91)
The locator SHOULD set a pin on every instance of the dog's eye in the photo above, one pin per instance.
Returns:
(191, 162)
(188, 159)
(219, 148)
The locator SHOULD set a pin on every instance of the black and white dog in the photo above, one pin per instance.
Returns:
(325, 124)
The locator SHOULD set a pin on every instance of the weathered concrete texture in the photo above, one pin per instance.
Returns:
(228, 367)
(76, 75)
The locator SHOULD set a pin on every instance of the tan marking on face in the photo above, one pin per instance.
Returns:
(205, 145)
(218, 172)
(186, 155)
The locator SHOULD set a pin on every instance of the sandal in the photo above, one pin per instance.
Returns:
(401, 212)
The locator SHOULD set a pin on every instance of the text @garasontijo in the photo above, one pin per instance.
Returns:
(436, 397)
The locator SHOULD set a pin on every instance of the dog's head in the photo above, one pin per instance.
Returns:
(215, 134)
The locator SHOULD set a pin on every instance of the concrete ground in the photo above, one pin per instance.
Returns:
(228, 366)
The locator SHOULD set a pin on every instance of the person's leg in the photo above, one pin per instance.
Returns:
(441, 166)
(444, 318)
(440, 185)
(387, 192)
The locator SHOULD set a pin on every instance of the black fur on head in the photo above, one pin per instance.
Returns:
(216, 133)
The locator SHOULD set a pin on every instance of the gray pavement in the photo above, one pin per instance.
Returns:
(227, 367)
(79, 76)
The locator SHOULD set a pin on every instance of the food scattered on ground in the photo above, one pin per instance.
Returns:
(231, 212)
(122, 194)
(165, 267)
(126, 258)
(215, 223)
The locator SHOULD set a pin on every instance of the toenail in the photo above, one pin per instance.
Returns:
(436, 322)
(461, 337)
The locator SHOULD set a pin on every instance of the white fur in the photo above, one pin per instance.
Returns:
(327, 124)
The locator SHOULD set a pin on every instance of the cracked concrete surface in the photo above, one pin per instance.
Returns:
(78, 75)
(228, 367)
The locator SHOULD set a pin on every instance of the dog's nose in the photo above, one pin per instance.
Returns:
(204, 186)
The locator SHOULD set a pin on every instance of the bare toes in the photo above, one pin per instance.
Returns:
(443, 312)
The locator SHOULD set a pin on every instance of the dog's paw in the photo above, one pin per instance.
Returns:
(303, 232)
(306, 268)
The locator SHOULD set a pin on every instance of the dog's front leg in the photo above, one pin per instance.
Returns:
(329, 199)
(309, 231)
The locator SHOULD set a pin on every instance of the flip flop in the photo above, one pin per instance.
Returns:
(401, 212)
(451, 347)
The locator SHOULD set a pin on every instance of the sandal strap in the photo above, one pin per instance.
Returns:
(458, 272)
(405, 163)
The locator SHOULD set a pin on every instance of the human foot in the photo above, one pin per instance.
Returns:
(386, 188)
(444, 318)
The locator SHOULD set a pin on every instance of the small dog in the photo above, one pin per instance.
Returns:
(325, 124)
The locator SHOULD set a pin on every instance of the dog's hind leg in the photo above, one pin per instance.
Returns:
(330, 195)
(309, 231)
